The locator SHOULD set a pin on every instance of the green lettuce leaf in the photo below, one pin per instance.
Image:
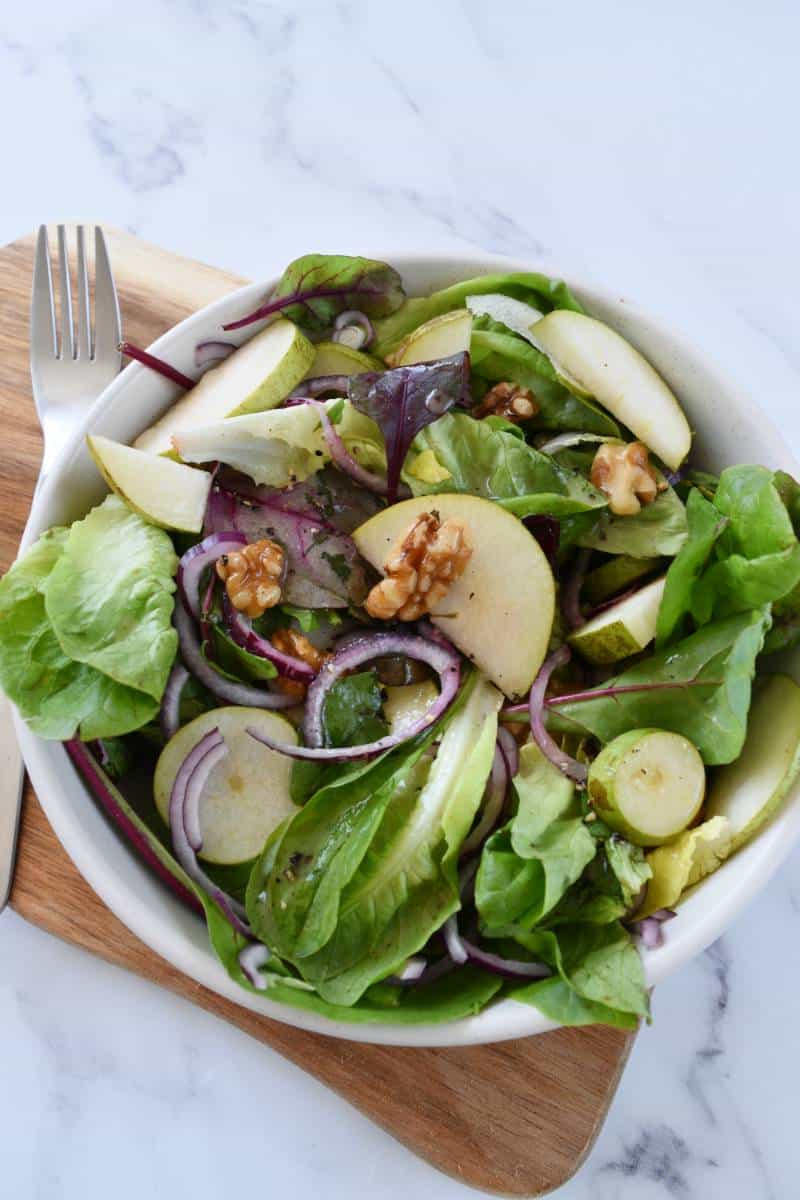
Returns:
(758, 554)
(487, 461)
(699, 687)
(497, 354)
(629, 865)
(706, 523)
(658, 528)
(372, 865)
(527, 866)
(353, 712)
(315, 288)
(284, 445)
(598, 977)
(109, 597)
(56, 695)
(535, 289)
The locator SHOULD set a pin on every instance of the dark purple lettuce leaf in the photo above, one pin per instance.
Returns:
(324, 569)
(314, 289)
(406, 399)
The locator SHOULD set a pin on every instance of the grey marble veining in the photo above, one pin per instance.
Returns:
(244, 133)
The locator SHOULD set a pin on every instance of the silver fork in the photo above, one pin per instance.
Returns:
(71, 364)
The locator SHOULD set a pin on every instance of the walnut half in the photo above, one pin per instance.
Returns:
(252, 576)
(290, 641)
(510, 400)
(624, 474)
(420, 568)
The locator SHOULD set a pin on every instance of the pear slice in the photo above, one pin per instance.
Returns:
(620, 379)
(440, 337)
(499, 613)
(647, 784)
(259, 375)
(682, 863)
(406, 704)
(247, 793)
(164, 492)
(617, 574)
(522, 319)
(750, 790)
(623, 629)
(334, 358)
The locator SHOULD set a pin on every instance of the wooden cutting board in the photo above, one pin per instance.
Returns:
(516, 1118)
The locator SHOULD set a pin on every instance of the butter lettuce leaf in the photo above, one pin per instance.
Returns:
(57, 696)
(109, 597)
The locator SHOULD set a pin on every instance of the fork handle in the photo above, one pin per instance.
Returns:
(12, 775)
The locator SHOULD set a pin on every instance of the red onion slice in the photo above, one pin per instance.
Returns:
(507, 744)
(195, 561)
(208, 354)
(452, 940)
(445, 663)
(187, 789)
(344, 460)
(558, 757)
(571, 599)
(251, 960)
(354, 329)
(509, 968)
(156, 364)
(241, 630)
(322, 385)
(220, 685)
(169, 716)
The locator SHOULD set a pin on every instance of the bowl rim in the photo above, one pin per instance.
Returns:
(48, 761)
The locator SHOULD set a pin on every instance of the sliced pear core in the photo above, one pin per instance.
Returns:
(499, 613)
(259, 375)
(623, 629)
(647, 784)
(749, 791)
(164, 492)
(438, 338)
(247, 793)
(620, 379)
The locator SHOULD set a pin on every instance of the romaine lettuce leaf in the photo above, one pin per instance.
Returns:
(372, 864)
(109, 597)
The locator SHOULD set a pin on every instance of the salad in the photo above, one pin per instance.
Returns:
(414, 651)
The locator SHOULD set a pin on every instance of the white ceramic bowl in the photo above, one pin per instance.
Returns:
(729, 429)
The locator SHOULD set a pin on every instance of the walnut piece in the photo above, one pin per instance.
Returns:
(510, 400)
(252, 576)
(420, 568)
(289, 641)
(624, 474)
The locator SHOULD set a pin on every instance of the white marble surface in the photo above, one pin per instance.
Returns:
(245, 133)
